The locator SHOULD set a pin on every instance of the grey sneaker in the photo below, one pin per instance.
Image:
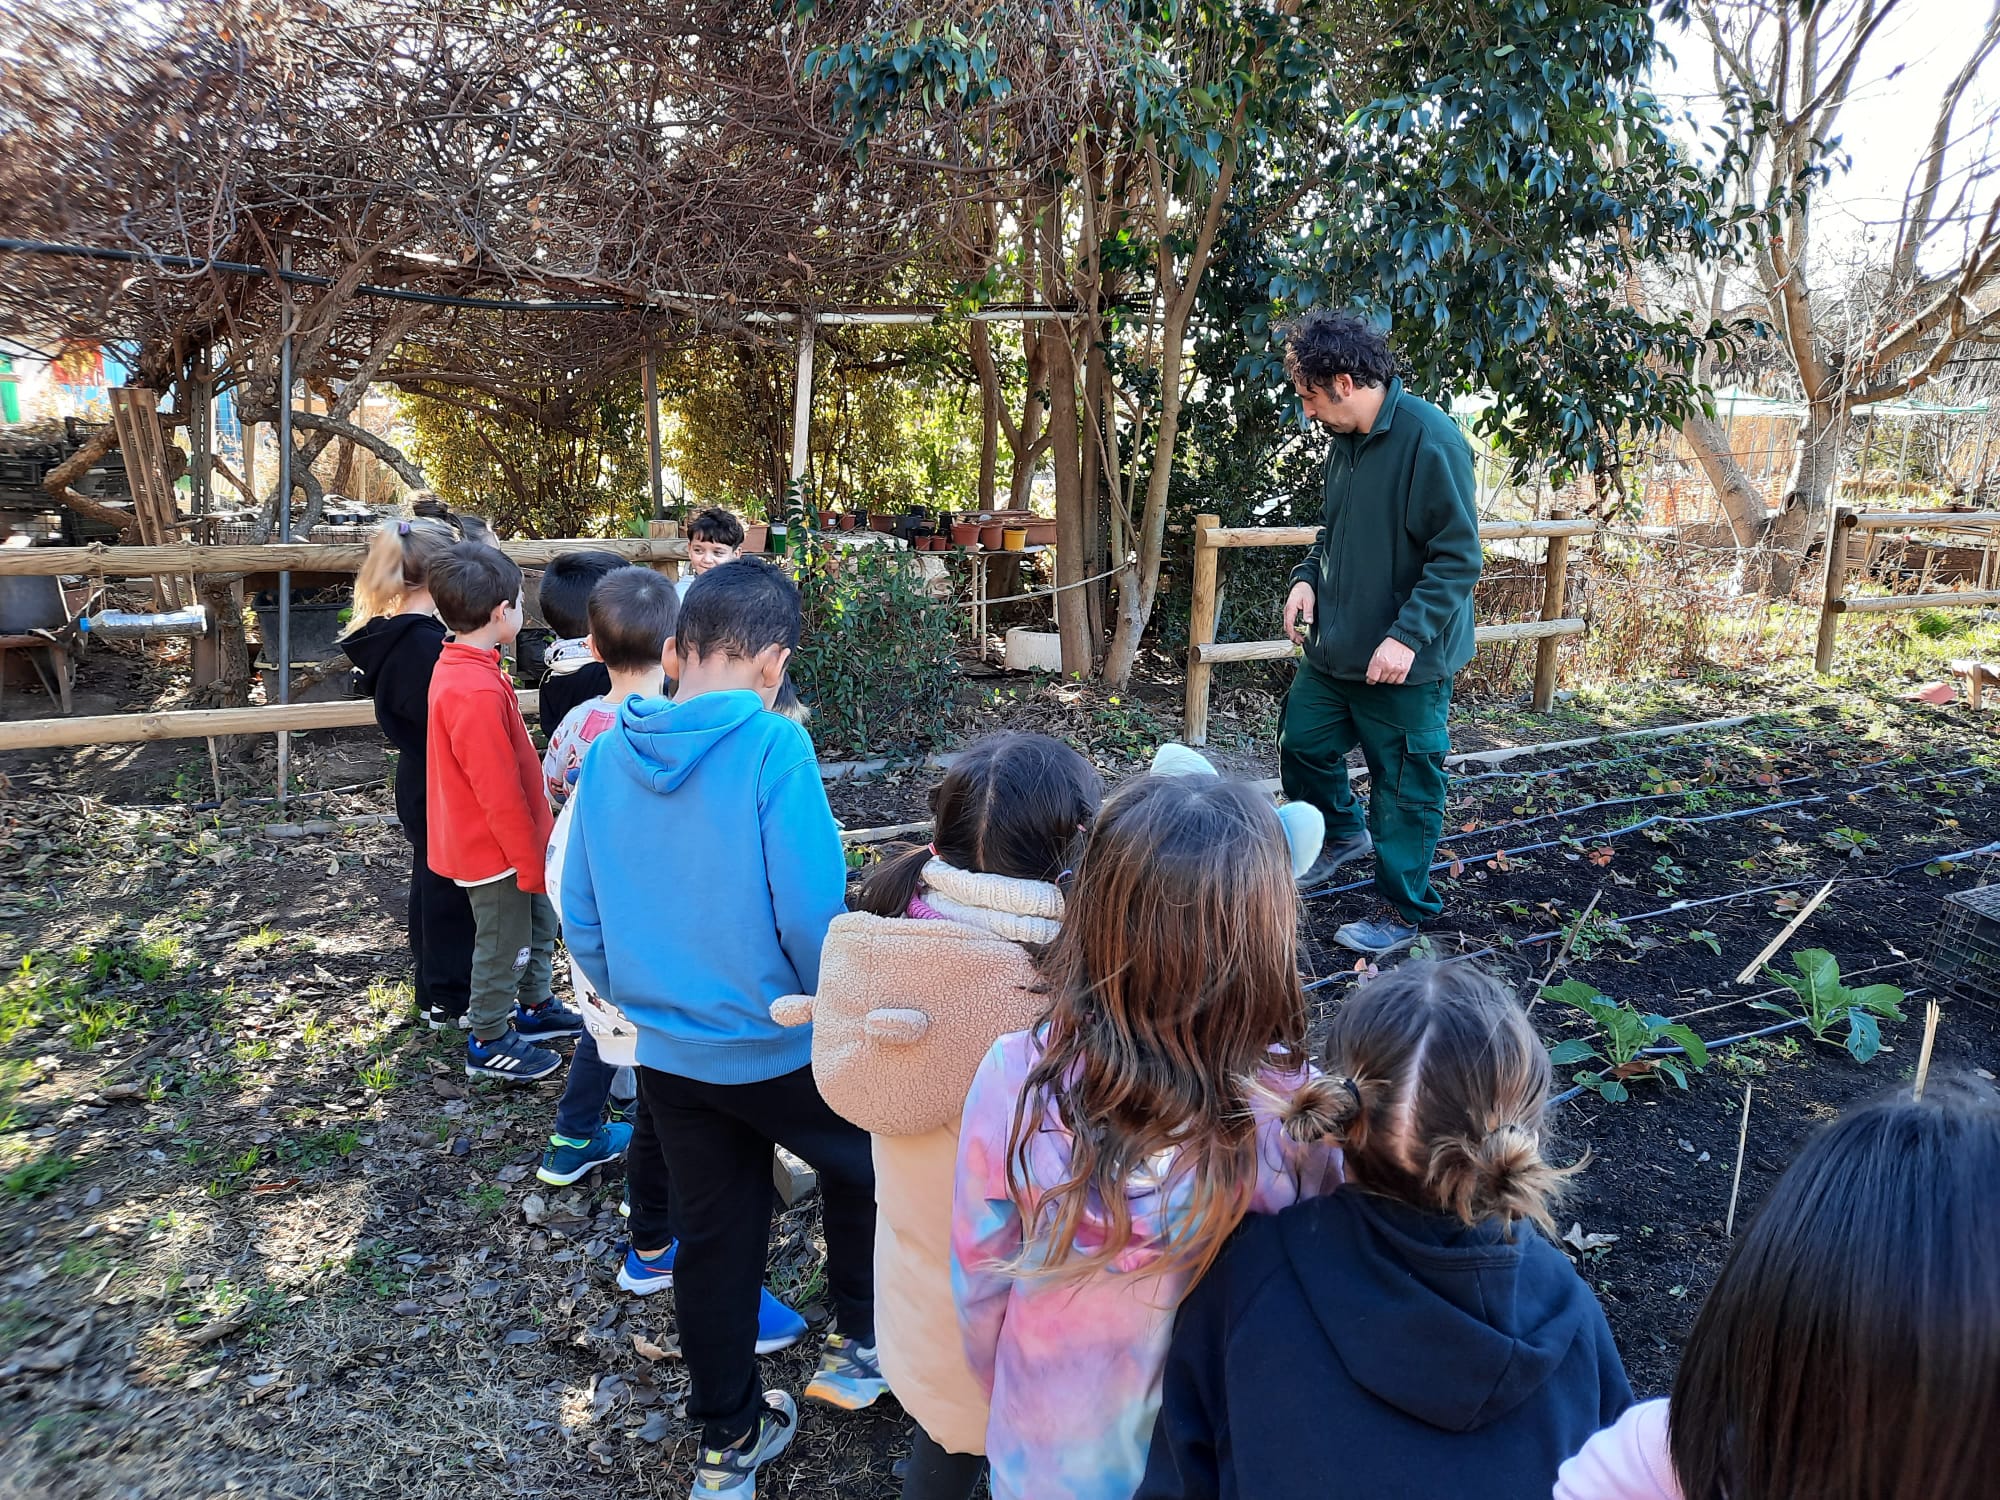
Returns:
(1333, 856)
(1377, 935)
(731, 1473)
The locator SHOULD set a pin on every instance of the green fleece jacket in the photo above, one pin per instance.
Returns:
(1398, 547)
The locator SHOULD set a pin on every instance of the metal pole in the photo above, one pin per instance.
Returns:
(284, 522)
(650, 378)
(201, 416)
(802, 389)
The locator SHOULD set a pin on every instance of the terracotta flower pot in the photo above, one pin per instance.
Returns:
(989, 536)
(1014, 538)
(847, 520)
(882, 520)
(756, 536)
(1041, 533)
(965, 533)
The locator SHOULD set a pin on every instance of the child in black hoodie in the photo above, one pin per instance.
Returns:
(394, 642)
(1410, 1322)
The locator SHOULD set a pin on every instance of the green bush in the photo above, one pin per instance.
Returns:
(877, 654)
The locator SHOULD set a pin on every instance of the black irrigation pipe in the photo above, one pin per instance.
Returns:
(302, 278)
(1658, 820)
(1657, 746)
(1584, 807)
(1536, 939)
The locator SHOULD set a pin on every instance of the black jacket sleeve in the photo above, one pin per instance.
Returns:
(1190, 1437)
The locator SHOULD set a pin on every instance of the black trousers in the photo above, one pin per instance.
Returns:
(440, 935)
(938, 1474)
(715, 1140)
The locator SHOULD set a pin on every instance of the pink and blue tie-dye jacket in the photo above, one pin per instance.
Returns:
(1073, 1367)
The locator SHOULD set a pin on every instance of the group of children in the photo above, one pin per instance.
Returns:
(1091, 1213)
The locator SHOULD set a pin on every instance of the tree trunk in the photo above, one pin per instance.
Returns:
(1822, 439)
(1138, 590)
(1093, 486)
(57, 483)
(1072, 610)
(989, 412)
(1742, 502)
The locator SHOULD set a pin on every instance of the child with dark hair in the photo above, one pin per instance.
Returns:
(715, 537)
(1414, 1317)
(489, 820)
(1107, 1154)
(570, 674)
(734, 789)
(394, 640)
(1850, 1349)
(914, 988)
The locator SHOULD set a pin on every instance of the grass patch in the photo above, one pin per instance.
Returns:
(260, 941)
(487, 1199)
(32, 1179)
(76, 989)
(379, 1076)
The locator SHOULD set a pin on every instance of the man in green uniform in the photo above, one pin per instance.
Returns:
(1383, 606)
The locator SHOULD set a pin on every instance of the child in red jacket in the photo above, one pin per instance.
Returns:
(489, 820)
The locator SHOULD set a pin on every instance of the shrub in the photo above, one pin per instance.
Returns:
(877, 653)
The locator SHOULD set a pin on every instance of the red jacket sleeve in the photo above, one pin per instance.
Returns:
(482, 740)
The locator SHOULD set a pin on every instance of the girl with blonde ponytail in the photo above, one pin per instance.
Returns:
(393, 640)
(1417, 1328)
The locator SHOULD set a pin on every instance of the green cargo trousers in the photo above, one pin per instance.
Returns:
(513, 947)
(1400, 728)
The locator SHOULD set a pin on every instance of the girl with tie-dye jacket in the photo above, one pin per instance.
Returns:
(1107, 1154)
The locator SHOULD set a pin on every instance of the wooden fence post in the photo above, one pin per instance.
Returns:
(1838, 522)
(1555, 593)
(1201, 632)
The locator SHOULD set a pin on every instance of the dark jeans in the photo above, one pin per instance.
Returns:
(716, 1141)
(935, 1474)
(581, 1109)
(1400, 728)
(440, 936)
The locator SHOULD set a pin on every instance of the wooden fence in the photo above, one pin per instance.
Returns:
(1211, 537)
(1844, 522)
(291, 557)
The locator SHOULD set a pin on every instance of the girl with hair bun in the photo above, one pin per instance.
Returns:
(393, 640)
(1415, 1322)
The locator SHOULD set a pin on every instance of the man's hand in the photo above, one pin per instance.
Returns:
(1299, 606)
(1391, 662)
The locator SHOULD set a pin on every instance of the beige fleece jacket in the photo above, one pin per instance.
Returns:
(906, 1010)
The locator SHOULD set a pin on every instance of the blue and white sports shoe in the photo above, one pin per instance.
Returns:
(510, 1057)
(568, 1159)
(549, 1019)
(778, 1326)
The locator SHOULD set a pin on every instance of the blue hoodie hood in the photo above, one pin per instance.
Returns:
(703, 869)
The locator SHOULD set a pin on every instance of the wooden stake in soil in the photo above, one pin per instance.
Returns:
(1563, 952)
(1750, 969)
(1742, 1140)
(1932, 1013)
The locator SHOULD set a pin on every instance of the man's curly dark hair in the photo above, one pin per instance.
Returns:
(1322, 344)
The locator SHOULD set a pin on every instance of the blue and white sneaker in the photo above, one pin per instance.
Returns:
(549, 1019)
(778, 1326)
(509, 1056)
(567, 1159)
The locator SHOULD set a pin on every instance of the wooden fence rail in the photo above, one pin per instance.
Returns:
(1212, 537)
(1844, 520)
(98, 560)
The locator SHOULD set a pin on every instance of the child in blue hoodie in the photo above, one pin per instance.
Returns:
(726, 794)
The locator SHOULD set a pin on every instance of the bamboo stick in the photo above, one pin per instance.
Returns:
(1750, 969)
(293, 557)
(1932, 1013)
(1736, 1186)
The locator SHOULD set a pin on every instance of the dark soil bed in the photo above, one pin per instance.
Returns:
(257, 1235)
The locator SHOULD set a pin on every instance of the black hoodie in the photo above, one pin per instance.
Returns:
(394, 656)
(1352, 1345)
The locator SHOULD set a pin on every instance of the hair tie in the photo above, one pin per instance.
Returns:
(1353, 1091)
(932, 846)
(402, 528)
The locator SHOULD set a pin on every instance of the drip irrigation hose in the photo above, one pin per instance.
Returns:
(1662, 746)
(1658, 820)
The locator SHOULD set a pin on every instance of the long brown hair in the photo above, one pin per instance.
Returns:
(1851, 1347)
(1175, 983)
(401, 552)
(1439, 1088)
(1013, 804)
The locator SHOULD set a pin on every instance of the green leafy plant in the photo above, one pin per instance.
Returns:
(877, 655)
(1825, 1003)
(34, 1178)
(1623, 1034)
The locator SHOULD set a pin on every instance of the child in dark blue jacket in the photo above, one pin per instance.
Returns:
(1413, 1321)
